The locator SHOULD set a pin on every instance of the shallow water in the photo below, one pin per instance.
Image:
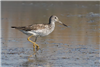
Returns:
(74, 46)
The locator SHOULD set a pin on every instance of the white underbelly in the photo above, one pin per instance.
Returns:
(43, 32)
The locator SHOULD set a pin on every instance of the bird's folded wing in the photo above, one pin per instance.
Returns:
(30, 27)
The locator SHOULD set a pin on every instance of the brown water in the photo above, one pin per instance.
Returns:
(74, 46)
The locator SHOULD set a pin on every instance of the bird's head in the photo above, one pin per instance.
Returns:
(55, 19)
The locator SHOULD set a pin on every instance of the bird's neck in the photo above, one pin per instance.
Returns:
(52, 23)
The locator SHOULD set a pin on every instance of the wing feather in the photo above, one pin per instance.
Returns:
(31, 27)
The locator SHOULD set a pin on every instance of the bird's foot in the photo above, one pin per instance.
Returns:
(37, 46)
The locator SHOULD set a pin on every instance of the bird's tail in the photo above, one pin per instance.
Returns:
(20, 28)
(13, 27)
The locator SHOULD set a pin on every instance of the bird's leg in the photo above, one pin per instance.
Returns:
(35, 39)
(37, 47)
(34, 44)
(31, 42)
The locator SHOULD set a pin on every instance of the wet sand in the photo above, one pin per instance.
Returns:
(75, 46)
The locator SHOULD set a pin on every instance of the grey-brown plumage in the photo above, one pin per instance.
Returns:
(40, 29)
(30, 27)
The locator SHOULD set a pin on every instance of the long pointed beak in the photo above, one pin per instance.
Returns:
(62, 23)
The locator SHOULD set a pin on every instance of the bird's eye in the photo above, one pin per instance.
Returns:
(55, 18)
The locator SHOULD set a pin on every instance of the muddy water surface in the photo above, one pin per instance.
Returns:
(74, 46)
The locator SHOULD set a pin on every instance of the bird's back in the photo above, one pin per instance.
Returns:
(31, 27)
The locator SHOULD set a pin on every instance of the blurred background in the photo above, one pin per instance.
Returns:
(75, 45)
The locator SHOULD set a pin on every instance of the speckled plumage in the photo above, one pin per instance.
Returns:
(40, 29)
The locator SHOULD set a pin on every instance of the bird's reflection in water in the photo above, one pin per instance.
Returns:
(37, 60)
(35, 53)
